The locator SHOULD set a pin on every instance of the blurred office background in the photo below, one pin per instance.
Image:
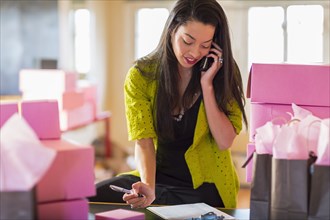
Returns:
(100, 39)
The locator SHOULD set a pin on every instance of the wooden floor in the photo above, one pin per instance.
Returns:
(243, 198)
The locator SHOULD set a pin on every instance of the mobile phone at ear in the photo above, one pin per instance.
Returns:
(206, 63)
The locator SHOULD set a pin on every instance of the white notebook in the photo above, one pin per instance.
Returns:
(186, 211)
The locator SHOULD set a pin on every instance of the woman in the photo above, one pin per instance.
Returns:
(183, 119)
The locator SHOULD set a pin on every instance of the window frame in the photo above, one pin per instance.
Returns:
(285, 5)
(132, 9)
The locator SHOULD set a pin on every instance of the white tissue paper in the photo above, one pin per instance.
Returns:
(323, 150)
(299, 113)
(265, 136)
(299, 136)
(288, 144)
(23, 159)
(309, 126)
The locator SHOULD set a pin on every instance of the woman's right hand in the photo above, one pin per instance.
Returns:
(147, 192)
(145, 156)
(208, 75)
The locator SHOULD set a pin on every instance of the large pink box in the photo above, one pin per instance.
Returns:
(7, 109)
(89, 89)
(279, 114)
(72, 99)
(66, 101)
(90, 94)
(63, 210)
(80, 116)
(43, 117)
(71, 175)
(42, 80)
(306, 85)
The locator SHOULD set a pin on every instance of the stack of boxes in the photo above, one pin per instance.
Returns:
(62, 191)
(77, 104)
(273, 88)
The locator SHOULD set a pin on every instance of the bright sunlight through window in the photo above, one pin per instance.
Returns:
(266, 41)
(305, 30)
(149, 27)
(82, 40)
(293, 34)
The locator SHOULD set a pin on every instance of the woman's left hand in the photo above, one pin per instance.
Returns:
(208, 75)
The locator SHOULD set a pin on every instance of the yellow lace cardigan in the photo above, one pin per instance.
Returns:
(205, 161)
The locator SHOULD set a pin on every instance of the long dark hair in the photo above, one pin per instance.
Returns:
(227, 82)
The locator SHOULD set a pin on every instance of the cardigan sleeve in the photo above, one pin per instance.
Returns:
(235, 116)
(138, 106)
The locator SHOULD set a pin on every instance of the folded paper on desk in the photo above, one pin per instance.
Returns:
(186, 211)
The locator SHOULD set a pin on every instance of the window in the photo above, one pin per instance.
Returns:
(266, 40)
(82, 40)
(293, 34)
(305, 30)
(149, 27)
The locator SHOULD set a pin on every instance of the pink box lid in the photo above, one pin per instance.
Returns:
(290, 83)
(119, 214)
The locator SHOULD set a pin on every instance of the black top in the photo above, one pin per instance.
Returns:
(172, 168)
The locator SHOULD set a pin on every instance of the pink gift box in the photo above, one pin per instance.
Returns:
(42, 80)
(72, 100)
(262, 113)
(249, 167)
(43, 117)
(7, 109)
(63, 210)
(119, 214)
(71, 175)
(77, 117)
(90, 93)
(67, 100)
(289, 83)
(89, 89)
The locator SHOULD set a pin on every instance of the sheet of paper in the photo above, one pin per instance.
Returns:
(24, 160)
(186, 211)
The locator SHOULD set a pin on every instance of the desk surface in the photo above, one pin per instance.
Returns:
(96, 207)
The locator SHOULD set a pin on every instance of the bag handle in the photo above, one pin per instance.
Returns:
(251, 155)
(311, 153)
(248, 159)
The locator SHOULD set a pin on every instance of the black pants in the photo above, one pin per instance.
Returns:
(165, 194)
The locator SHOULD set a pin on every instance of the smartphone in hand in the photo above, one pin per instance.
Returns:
(206, 63)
